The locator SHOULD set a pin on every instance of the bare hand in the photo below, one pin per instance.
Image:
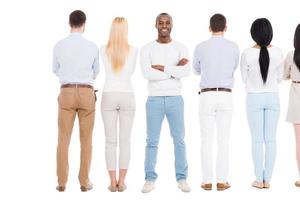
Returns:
(159, 67)
(183, 62)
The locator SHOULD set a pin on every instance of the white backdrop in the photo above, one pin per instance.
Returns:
(28, 129)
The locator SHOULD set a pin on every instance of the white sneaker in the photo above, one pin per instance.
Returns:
(183, 186)
(148, 187)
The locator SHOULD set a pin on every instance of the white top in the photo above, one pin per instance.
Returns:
(165, 83)
(120, 81)
(290, 69)
(251, 70)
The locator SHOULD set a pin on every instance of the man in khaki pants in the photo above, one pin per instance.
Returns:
(76, 63)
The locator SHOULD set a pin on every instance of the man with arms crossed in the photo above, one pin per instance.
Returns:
(163, 63)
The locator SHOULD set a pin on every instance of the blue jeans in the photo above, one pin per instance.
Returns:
(157, 107)
(263, 113)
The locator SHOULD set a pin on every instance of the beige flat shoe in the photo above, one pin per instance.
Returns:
(259, 185)
(112, 188)
(122, 188)
(266, 185)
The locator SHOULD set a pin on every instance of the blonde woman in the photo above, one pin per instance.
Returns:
(118, 102)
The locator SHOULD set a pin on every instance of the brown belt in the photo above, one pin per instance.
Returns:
(296, 81)
(76, 86)
(215, 89)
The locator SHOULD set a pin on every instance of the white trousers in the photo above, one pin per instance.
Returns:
(117, 108)
(215, 109)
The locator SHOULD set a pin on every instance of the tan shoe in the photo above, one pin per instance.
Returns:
(86, 188)
(257, 184)
(60, 188)
(206, 186)
(112, 188)
(222, 186)
(266, 185)
(297, 183)
(122, 188)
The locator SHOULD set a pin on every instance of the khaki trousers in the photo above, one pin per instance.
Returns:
(72, 101)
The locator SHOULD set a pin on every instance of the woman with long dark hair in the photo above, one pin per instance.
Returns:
(262, 68)
(292, 71)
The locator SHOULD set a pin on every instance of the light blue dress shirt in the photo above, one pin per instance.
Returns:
(76, 60)
(216, 60)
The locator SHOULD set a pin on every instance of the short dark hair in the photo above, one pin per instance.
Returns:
(163, 14)
(77, 18)
(217, 22)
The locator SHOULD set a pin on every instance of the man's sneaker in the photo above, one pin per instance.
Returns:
(148, 187)
(183, 186)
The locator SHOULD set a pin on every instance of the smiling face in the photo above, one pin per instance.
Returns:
(164, 25)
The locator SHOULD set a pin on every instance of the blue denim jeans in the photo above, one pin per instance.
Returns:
(157, 107)
(263, 113)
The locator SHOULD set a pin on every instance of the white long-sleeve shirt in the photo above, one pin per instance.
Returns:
(121, 81)
(165, 83)
(250, 70)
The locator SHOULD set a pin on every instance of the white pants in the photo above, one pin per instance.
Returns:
(117, 108)
(215, 108)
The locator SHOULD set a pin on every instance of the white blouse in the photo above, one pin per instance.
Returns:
(290, 69)
(121, 81)
(251, 74)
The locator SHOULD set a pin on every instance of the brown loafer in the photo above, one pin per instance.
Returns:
(206, 186)
(222, 186)
(297, 183)
(60, 188)
(86, 188)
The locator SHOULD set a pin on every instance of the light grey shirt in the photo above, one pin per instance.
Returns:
(216, 60)
(76, 60)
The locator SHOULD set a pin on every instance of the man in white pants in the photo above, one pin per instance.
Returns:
(215, 60)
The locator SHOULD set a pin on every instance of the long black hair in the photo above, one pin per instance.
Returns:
(262, 34)
(297, 47)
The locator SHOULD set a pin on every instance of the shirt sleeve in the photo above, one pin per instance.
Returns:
(196, 62)
(55, 63)
(237, 58)
(280, 68)
(244, 67)
(134, 58)
(179, 71)
(148, 72)
(287, 67)
(96, 65)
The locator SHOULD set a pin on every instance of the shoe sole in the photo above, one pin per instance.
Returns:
(222, 189)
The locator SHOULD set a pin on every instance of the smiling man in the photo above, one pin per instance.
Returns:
(164, 62)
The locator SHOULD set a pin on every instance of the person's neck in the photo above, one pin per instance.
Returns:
(77, 30)
(258, 46)
(221, 33)
(164, 40)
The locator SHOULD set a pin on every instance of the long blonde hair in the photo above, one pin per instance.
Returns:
(117, 47)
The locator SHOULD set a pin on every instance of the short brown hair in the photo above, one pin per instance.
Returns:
(217, 23)
(77, 18)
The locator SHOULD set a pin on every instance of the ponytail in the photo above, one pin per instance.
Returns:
(262, 34)
(264, 61)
